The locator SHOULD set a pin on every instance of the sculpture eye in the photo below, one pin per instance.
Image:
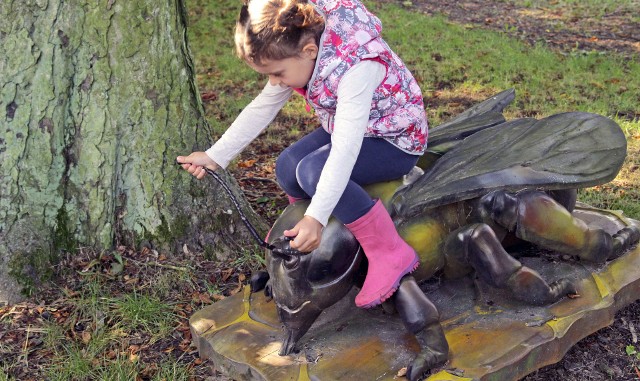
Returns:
(291, 262)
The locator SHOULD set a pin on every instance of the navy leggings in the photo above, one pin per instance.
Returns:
(299, 166)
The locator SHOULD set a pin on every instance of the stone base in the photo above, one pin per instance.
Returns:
(490, 335)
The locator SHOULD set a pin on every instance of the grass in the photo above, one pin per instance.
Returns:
(101, 327)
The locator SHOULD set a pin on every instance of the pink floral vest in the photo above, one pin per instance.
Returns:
(352, 34)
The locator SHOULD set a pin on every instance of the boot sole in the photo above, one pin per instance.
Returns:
(411, 268)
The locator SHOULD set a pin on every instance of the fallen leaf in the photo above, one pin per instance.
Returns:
(133, 348)
(247, 163)
(86, 337)
(208, 96)
(236, 290)
(111, 354)
(204, 298)
(226, 274)
(402, 372)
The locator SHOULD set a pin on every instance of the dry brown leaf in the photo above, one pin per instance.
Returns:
(86, 337)
(247, 163)
(111, 354)
(204, 298)
(226, 274)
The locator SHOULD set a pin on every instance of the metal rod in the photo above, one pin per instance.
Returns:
(245, 220)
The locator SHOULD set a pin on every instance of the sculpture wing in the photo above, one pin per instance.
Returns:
(485, 114)
(564, 151)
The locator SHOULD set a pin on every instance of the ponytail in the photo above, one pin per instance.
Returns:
(276, 29)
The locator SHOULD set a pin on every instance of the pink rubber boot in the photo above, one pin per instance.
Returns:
(292, 199)
(390, 257)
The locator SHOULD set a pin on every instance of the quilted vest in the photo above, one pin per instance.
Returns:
(352, 34)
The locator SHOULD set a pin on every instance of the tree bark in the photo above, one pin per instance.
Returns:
(99, 97)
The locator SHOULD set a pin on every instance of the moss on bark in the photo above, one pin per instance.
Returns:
(98, 100)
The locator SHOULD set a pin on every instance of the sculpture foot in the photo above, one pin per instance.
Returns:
(435, 352)
(288, 344)
(421, 318)
(624, 239)
(258, 281)
(528, 286)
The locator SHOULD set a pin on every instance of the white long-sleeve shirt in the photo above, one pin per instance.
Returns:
(355, 93)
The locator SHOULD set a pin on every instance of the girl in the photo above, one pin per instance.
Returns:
(370, 107)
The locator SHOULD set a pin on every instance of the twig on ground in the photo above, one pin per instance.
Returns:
(634, 336)
(259, 179)
(177, 268)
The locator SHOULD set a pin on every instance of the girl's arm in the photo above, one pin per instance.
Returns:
(248, 125)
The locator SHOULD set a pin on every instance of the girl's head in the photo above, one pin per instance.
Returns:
(272, 31)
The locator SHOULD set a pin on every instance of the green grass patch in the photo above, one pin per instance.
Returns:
(138, 311)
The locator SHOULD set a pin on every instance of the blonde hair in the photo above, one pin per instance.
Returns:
(276, 29)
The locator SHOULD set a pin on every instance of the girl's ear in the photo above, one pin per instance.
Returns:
(310, 51)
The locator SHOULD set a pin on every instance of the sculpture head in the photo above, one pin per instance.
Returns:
(304, 285)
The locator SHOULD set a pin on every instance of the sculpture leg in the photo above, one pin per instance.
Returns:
(296, 324)
(536, 217)
(421, 318)
(478, 245)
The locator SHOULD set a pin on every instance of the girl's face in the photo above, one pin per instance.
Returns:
(291, 72)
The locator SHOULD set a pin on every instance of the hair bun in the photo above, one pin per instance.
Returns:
(292, 17)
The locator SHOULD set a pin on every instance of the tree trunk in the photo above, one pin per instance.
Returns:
(98, 99)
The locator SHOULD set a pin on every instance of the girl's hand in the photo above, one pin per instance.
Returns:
(307, 233)
(196, 162)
